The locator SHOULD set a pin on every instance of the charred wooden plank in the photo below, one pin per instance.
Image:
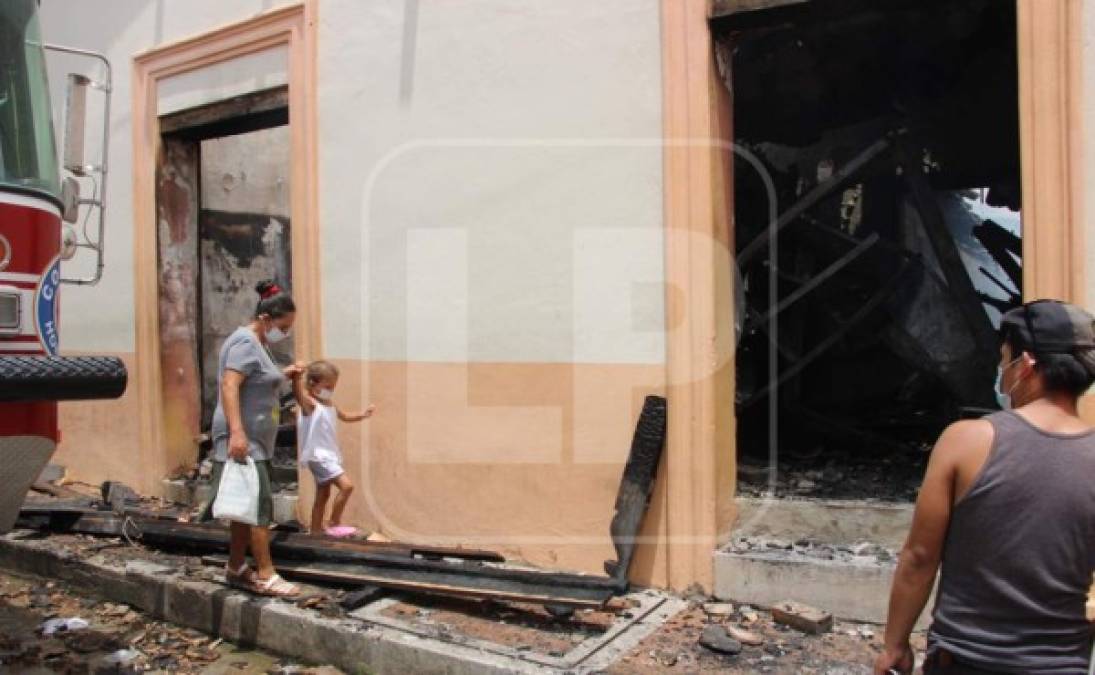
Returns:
(838, 180)
(636, 485)
(946, 252)
(210, 537)
(441, 582)
(883, 293)
(361, 597)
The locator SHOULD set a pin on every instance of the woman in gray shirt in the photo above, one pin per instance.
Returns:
(245, 424)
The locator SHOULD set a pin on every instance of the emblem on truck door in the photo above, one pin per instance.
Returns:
(45, 307)
(5, 252)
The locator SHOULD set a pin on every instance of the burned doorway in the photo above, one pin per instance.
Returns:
(223, 200)
(891, 137)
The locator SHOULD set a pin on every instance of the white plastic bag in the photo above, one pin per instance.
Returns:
(238, 494)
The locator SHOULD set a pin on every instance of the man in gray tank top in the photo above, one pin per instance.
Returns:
(1006, 515)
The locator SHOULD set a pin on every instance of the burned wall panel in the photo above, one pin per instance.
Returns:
(875, 126)
(244, 235)
(177, 236)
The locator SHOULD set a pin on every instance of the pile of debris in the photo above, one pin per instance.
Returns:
(859, 553)
(714, 636)
(887, 477)
(889, 141)
(370, 565)
(47, 626)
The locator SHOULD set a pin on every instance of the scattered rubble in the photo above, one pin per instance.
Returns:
(676, 647)
(522, 626)
(746, 637)
(890, 478)
(40, 632)
(803, 617)
(718, 608)
(859, 553)
(715, 638)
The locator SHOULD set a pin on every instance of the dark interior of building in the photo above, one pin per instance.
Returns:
(889, 132)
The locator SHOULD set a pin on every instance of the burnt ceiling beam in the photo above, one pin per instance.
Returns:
(739, 15)
(838, 180)
(946, 251)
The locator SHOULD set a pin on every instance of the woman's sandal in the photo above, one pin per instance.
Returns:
(244, 577)
(274, 587)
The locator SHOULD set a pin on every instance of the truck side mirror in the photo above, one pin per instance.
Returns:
(70, 199)
(75, 120)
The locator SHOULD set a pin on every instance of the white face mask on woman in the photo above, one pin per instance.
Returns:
(275, 335)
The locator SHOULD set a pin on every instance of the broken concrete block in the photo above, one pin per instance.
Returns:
(748, 614)
(714, 637)
(118, 495)
(718, 608)
(803, 617)
(178, 492)
(746, 637)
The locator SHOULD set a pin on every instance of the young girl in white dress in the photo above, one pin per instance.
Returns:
(317, 434)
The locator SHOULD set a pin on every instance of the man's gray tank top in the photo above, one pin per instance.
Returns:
(1019, 555)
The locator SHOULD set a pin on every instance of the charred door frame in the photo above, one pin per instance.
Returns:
(700, 459)
(178, 207)
(294, 27)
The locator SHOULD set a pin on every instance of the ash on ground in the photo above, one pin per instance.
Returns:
(893, 477)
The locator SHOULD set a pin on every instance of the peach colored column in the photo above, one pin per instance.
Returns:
(293, 26)
(1051, 131)
(699, 466)
(1052, 140)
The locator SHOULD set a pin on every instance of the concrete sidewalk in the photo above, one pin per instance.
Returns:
(356, 643)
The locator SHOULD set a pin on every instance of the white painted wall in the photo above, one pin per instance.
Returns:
(527, 133)
(531, 127)
(100, 318)
(223, 80)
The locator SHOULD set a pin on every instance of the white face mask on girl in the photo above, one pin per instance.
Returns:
(324, 394)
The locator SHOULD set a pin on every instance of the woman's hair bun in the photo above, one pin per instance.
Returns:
(267, 288)
(273, 300)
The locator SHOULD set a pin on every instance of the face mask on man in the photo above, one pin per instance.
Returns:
(1004, 398)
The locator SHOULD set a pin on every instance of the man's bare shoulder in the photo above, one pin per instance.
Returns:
(965, 437)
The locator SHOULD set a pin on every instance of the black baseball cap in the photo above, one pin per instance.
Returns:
(1053, 327)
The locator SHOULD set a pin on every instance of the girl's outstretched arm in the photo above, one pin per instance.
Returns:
(356, 417)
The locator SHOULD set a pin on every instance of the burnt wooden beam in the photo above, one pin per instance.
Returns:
(239, 114)
(724, 8)
(636, 485)
(838, 180)
(741, 15)
(865, 310)
(1004, 247)
(946, 252)
(539, 588)
(210, 537)
(361, 597)
(818, 279)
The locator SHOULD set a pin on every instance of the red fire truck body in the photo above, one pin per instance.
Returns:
(34, 205)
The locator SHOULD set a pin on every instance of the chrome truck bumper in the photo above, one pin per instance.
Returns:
(42, 379)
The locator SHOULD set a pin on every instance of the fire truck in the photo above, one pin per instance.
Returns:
(44, 222)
